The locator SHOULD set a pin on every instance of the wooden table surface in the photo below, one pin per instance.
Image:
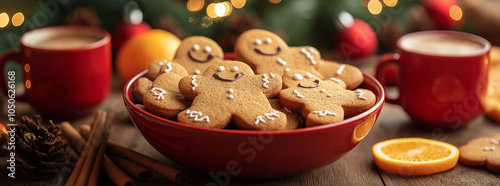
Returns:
(355, 168)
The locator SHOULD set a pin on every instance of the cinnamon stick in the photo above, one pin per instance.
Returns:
(116, 174)
(87, 150)
(96, 169)
(131, 168)
(76, 141)
(172, 174)
(95, 136)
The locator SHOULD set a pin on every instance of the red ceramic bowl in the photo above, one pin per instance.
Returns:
(254, 154)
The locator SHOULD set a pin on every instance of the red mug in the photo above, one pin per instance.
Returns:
(66, 70)
(442, 77)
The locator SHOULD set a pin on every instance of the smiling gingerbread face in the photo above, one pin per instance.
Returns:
(230, 91)
(302, 79)
(196, 53)
(266, 52)
(228, 72)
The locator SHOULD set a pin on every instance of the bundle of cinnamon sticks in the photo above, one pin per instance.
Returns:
(116, 161)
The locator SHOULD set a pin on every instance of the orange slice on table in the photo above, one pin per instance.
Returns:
(414, 156)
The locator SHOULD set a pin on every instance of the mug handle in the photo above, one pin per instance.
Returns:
(384, 62)
(4, 76)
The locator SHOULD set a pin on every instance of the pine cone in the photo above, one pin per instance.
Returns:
(41, 150)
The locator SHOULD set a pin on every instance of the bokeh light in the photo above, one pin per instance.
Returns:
(390, 3)
(238, 3)
(28, 84)
(219, 9)
(4, 20)
(18, 19)
(211, 10)
(275, 1)
(374, 6)
(455, 12)
(27, 67)
(229, 8)
(195, 5)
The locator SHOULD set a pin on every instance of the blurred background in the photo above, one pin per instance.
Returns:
(344, 30)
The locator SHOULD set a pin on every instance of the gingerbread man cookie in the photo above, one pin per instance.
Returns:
(266, 52)
(143, 84)
(322, 102)
(351, 75)
(230, 90)
(293, 120)
(482, 152)
(196, 53)
(159, 67)
(492, 101)
(163, 98)
(141, 87)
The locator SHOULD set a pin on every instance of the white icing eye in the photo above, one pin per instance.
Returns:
(235, 69)
(207, 49)
(308, 75)
(197, 72)
(220, 69)
(258, 42)
(287, 69)
(268, 40)
(196, 47)
(297, 77)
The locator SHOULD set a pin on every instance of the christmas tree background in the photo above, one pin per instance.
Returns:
(299, 22)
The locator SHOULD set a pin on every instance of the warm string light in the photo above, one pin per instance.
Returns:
(18, 19)
(4, 19)
(390, 3)
(375, 7)
(211, 10)
(238, 3)
(455, 12)
(195, 5)
(219, 9)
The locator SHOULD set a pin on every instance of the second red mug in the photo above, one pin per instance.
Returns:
(442, 79)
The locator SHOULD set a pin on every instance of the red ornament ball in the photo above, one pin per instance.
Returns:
(125, 31)
(446, 14)
(357, 41)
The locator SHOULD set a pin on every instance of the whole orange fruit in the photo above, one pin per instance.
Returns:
(137, 53)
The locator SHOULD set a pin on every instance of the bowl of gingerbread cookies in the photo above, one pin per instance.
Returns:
(267, 110)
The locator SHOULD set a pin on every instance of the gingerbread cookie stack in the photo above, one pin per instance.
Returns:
(273, 87)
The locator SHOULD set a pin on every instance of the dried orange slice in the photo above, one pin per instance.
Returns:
(414, 156)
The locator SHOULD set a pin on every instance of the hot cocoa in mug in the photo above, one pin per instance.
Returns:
(67, 70)
(64, 41)
(442, 77)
